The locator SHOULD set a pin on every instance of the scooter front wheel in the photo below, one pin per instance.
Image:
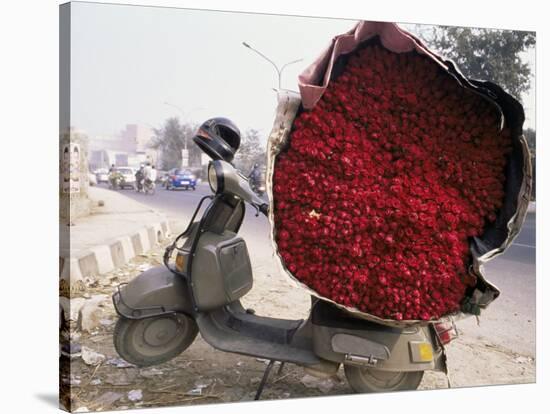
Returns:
(155, 340)
(364, 380)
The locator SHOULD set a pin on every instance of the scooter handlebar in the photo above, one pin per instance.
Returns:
(231, 181)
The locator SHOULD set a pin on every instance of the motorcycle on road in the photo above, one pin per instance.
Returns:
(148, 186)
(115, 181)
(258, 187)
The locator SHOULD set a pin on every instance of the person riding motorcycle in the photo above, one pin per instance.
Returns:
(114, 177)
(255, 177)
(139, 179)
(150, 175)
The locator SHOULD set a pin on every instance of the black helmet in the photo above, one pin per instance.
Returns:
(219, 138)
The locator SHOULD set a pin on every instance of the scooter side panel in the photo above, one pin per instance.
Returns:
(399, 356)
(154, 292)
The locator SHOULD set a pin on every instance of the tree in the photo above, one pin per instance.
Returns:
(171, 139)
(487, 54)
(250, 152)
(531, 137)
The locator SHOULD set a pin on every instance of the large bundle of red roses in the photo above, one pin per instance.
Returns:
(384, 181)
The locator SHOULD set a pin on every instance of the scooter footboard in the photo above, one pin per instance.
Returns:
(155, 292)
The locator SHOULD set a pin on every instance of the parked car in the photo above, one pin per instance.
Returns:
(128, 176)
(102, 175)
(178, 178)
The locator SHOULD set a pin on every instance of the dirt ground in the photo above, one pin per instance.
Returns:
(203, 375)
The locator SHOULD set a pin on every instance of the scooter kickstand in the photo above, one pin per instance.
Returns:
(280, 370)
(264, 379)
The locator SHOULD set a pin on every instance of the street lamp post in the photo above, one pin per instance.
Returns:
(157, 151)
(279, 70)
(183, 113)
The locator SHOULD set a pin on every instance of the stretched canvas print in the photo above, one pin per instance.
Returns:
(264, 207)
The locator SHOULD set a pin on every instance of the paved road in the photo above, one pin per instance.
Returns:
(509, 321)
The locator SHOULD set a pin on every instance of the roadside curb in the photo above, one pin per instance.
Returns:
(103, 258)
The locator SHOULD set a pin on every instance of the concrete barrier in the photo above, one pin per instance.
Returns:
(104, 258)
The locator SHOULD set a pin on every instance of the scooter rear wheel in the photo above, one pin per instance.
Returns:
(364, 380)
(153, 341)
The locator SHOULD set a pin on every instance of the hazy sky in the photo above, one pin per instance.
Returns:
(126, 61)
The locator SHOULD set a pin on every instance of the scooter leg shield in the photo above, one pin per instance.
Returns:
(154, 292)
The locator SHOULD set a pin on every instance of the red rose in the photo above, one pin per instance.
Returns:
(389, 181)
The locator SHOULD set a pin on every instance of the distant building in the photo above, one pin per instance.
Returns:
(129, 148)
(99, 159)
(136, 138)
(105, 158)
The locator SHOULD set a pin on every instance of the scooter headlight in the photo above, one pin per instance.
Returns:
(215, 176)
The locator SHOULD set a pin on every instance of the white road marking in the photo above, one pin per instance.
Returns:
(524, 245)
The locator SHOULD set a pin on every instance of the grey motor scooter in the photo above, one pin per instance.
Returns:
(162, 310)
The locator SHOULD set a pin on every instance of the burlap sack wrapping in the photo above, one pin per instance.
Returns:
(497, 237)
